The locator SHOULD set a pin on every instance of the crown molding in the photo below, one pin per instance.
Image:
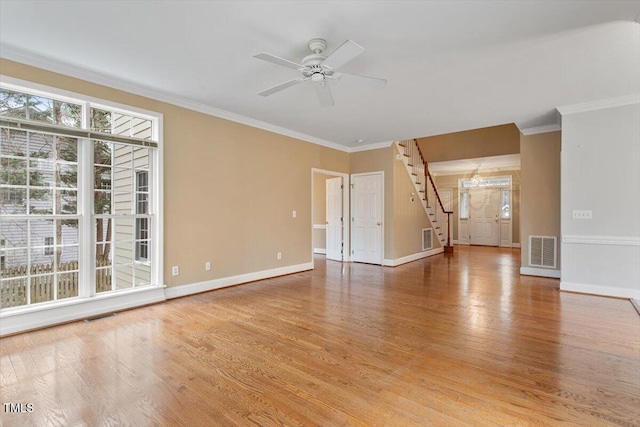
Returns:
(541, 129)
(50, 64)
(368, 147)
(599, 105)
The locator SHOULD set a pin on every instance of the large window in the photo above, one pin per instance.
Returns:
(77, 197)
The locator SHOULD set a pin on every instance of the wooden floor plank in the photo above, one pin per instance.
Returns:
(455, 340)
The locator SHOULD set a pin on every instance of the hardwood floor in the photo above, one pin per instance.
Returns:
(449, 340)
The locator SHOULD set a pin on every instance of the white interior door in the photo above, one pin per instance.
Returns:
(484, 216)
(334, 218)
(366, 217)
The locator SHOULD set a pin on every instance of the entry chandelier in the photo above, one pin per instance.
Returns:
(477, 179)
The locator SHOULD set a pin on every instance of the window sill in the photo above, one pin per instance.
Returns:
(20, 319)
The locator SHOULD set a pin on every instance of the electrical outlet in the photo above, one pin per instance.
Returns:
(207, 266)
(279, 255)
(582, 214)
(295, 214)
(175, 270)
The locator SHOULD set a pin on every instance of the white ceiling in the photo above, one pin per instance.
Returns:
(450, 65)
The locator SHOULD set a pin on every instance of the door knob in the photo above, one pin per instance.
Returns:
(379, 223)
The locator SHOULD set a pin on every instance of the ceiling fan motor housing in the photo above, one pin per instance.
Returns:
(317, 45)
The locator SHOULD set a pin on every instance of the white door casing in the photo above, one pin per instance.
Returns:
(367, 217)
(484, 216)
(334, 218)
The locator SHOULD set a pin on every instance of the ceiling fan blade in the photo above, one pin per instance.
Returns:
(343, 54)
(365, 81)
(281, 86)
(324, 95)
(278, 61)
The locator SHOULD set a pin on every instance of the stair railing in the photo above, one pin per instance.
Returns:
(428, 190)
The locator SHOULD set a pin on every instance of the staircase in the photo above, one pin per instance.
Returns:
(418, 169)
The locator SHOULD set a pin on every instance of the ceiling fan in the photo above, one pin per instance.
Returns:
(319, 69)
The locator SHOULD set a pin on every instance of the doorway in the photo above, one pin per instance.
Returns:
(330, 209)
(485, 212)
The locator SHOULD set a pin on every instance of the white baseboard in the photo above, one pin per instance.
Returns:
(223, 282)
(455, 242)
(409, 258)
(609, 291)
(319, 251)
(67, 311)
(515, 245)
(543, 272)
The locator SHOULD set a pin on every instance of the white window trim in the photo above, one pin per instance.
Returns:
(19, 315)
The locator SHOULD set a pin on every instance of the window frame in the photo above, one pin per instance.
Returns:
(141, 244)
(48, 249)
(86, 217)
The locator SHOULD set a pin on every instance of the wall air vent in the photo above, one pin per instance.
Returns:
(543, 251)
(427, 239)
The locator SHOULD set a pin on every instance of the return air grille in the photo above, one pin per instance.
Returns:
(427, 239)
(542, 251)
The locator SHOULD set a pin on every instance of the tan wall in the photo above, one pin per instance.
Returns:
(229, 189)
(409, 217)
(471, 144)
(373, 161)
(319, 216)
(451, 182)
(540, 163)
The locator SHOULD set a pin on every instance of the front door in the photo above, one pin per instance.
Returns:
(484, 216)
(334, 218)
(366, 217)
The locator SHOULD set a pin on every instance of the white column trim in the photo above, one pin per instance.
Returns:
(599, 105)
(609, 291)
(601, 240)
